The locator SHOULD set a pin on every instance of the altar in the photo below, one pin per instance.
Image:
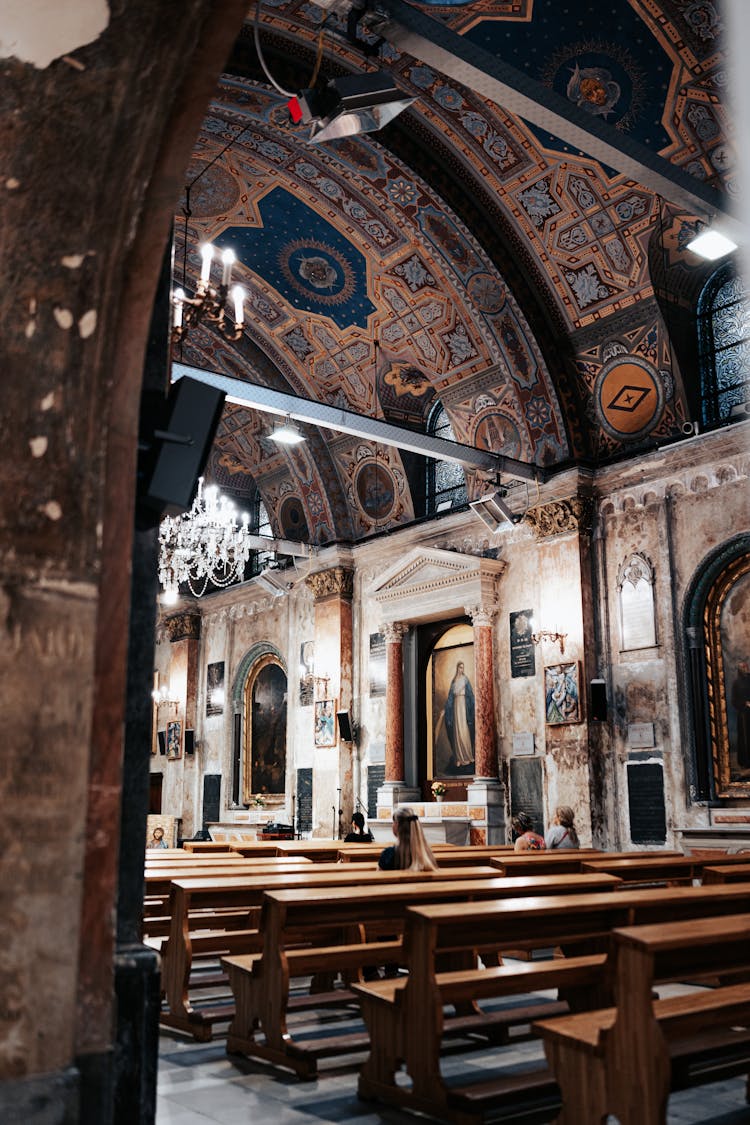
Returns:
(439, 828)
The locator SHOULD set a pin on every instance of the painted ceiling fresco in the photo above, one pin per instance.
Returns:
(461, 256)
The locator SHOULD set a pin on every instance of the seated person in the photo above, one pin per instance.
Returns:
(358, 834)
(526, 839)
(562, 834)
(411, 852)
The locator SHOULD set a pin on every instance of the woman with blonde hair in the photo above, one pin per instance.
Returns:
(411, 852)
(562, 834)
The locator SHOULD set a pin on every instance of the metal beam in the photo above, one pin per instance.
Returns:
(315, 413)
(415, 33)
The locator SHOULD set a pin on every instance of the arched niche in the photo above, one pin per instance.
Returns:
(259, 696)
(717, 634)
(635, 589)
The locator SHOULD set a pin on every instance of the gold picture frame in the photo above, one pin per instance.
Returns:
(728, 686)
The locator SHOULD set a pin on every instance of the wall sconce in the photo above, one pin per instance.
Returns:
(547, 635)
(162, 697)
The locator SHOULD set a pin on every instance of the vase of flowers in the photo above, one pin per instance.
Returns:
(259, 801)
(438, 790)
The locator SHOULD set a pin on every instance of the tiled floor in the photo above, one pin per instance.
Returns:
(199, 1084)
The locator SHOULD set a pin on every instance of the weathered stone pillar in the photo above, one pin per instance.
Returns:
(333, 591)
(394, 702)
(485, 743)
(184, 630)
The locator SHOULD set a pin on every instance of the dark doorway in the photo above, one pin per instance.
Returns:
(155, 783)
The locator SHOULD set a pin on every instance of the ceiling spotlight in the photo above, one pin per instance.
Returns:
(493, 510)
(711, 244)
(288, 434)
(356, 103)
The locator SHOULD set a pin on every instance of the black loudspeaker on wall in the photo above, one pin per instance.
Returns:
(346, 732)
(189, 741)
(598, 701)
(162, 735)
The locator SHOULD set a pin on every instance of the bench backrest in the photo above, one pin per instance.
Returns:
(727, 873)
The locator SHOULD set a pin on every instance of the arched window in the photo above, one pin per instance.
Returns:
(446, 483)
(724, 345)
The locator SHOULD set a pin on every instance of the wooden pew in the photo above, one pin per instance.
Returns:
(727, 873)
(211, 916)
(261, 984)
(563, 859)
(625, 1060)
(201, 847)
(405, 1017)
(669, 870)
(455, 855)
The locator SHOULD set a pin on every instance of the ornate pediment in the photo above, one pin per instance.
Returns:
(429, 583)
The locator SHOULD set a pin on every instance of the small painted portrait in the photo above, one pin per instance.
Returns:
(174, 740)
(325, 725)
(453, 704)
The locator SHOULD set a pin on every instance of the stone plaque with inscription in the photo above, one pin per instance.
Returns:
(522, 661)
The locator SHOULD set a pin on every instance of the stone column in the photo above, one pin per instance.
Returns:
(394, 702)
(184, 630)
(485, 793)
(485, 744)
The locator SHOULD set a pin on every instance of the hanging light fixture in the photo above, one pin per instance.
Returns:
(206, 545)
(288, 434)
(209, 302)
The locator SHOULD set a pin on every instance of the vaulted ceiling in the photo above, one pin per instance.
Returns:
(465, 254)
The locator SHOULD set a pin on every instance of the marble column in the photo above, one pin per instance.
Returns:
(394, 702)
(485, 746)
(485, 794)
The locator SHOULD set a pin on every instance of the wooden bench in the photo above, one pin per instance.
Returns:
(406, 1018)
(456, 855)
(261, 985)
(625, 1060)
(563, 859)
(643, 870)
(727, 873)
(211, 916)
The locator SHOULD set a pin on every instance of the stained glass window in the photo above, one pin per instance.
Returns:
(446, 483)
(724, 341)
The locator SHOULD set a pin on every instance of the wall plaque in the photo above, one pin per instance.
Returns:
(648, 816)
(375, 781)
(377, 664)
(641, 735)
(526, 790)
(522, 662)
(523, 743)
(211, 798)
(303, 811)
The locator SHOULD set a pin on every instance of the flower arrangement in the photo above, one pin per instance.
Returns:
(259, 801)
(438, 788)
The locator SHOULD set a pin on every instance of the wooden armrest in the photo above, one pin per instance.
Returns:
(583, 1029)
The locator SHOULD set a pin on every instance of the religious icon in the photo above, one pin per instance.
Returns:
(174, 740)
(453, 704)
(562, 700)
(325, 722)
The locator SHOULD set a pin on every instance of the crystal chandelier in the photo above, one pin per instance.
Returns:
(205, 545)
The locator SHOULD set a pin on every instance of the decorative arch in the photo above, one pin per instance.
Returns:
(715, 646)
(249, 780)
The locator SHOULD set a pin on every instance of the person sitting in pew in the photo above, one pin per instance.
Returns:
(411, 852)
(526, 840)
(358, 834)
(562, 834)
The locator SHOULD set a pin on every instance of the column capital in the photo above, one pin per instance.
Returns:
(576, 513)
(183, 627)
(336, 582)
(394, 631)
(481, 614)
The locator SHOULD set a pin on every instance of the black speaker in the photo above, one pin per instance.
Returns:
(162, 736)
(176, 449)
(189, 741)
(598, 701)
(346, 733)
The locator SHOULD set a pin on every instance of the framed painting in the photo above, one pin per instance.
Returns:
(265, 730)
(727, 637)
(215, 688)
(325, 722)
(174, 739)
(453, 711)
(562, 693)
